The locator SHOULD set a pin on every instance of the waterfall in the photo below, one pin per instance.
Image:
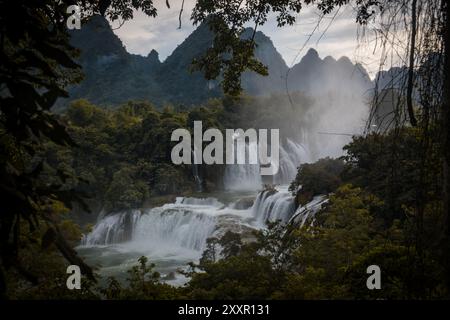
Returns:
(306, 212)
(273, 205)
(195, 172)
(244, 176)
(187, 223)
(291, 156)
(113, 228)
(175, 234)
(199, 201)
(247, 176)
(174, 226)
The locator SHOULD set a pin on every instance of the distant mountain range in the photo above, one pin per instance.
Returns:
(114, 76)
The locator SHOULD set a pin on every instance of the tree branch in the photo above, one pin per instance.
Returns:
(409, 92)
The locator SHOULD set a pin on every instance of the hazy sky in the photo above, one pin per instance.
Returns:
(142, 34)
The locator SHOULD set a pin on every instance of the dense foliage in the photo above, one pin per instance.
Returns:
(123, 156)
(325, 258)
(321, 177)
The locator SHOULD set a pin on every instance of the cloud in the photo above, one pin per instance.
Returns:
(142, 34)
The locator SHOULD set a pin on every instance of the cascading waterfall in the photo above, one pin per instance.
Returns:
(195, 172)
(291, 156)
(113, 228)
(176, 233)
(187, 223)
(305, 213)
(273, 205)
(244, 176)
(174, 226)
(297, 152)
(247, 176)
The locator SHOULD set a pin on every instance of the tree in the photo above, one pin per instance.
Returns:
(231, 54)
(143, 283)
(427, 51)
(342, 231)
(37, 62)
(445, 123)
(389, 166)
(321, 177)
(231, 244)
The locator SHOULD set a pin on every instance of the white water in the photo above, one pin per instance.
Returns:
(176, 226)
(292, 155)
(306, 213)
(195, 173)
(174, 234)
(113, 228)
(273, 205)
(188, 222)
(247, 176)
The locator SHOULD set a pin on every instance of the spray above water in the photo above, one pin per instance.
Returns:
(236, 147)
(244, 177)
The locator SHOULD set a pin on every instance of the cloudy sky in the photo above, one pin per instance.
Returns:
(342, 37)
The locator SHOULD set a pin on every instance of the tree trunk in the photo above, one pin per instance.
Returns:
(445, 113)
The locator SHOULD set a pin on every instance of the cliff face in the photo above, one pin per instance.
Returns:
(255, 84)
(114, 76)
(316, 76)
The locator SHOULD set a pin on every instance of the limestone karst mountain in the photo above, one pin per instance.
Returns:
(114, 76)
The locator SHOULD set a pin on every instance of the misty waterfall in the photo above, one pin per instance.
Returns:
(176, 232)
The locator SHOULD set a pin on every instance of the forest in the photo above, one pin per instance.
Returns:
(369, 217)
(83, 181)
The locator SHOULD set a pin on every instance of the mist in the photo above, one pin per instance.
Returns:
(340, 92)
(319, 103)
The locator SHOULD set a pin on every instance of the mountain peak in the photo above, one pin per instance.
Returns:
(311, 57)
(153, 55)
(98, 21)
(265, 52)
(96, 39)
(130, 76)
(345, 60)
(259, 35)
(312, 53)
(329, 60)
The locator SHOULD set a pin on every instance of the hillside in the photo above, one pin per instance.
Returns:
(114, 76)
